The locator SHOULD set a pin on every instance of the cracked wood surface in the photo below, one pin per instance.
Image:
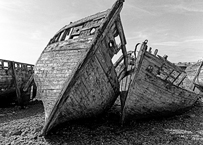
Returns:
(13, 76)
(75, 76)
(156, 87)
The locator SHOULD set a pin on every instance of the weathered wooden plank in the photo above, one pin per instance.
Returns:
(171, 64)
(120, 30)
(17, 87)
(91, 85)
(28, 83)
(149, 94)
(107, 65)
(97, 15)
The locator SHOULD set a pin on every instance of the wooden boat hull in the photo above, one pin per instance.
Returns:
(155, 87)
(76, 78)
(88, 94)
(13, 76)
(150, 96)
(195, 74)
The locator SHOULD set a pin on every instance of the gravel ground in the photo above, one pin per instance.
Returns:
(19, 127)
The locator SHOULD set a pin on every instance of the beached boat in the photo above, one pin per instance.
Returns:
(195, 74)
(183, 65)
(75, 76)
(152, 86)
(13, 77)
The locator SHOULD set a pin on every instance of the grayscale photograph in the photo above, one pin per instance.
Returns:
(101, 72)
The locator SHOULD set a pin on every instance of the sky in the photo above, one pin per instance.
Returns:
(174, 27)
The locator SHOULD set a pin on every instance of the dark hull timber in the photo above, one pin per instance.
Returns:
(153, 86)
(13, 77)
(75, 76)
(195, 74)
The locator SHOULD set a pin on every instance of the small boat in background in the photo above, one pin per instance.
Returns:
(195, 74)
(75, 76)
(13, 77)
(183, 65)
(152, 86)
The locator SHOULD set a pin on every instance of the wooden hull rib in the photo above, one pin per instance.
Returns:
(195, 74)
(155, 87)
(13, 76)
(75, 76)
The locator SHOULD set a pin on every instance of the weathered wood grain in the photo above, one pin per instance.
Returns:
(195, 74)
(75, 76)
(13, 76)
(156, 87)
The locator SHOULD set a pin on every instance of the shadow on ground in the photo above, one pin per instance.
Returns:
(186, 128)
(14, 112)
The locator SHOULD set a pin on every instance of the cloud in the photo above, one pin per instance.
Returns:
(167, 43)
(138, 35)
(187, 40)
(4, 20)
(152, 33)
(183, 7)
(134, 12)
(36, 35)
(195, 40)
(157, 8)
(16, 6)
(135, 9)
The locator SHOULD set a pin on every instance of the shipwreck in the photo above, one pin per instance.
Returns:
(75, 76)
(152, 86)
(13, 78)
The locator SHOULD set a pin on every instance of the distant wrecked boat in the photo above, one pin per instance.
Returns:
(13, 77)
(75, 75)
(152, 86)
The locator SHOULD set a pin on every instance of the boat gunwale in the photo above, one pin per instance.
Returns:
(84, 20)
(5, 60)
